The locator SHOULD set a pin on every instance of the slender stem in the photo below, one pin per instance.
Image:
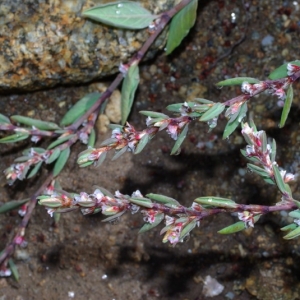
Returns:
(164, 19)
(10, 248)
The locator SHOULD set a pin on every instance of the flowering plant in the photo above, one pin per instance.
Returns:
(79, 122)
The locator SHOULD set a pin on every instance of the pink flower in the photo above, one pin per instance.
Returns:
(247, 217)
(292, 69)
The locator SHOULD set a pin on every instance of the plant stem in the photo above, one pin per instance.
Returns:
(10, 248)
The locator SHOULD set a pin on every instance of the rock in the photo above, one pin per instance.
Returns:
(46, 43)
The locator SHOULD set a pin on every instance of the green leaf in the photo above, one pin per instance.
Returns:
(35, 169)
(236, 227)
(216, 201)
(158, 218)
(230, 128)
(42, 125)
(121, 14)
(180, 140)
(287, 106)
(187, 229)
(4, 119)
(142, 202)
(55, 154)
(273, 153)
(213, 112)
(180, 25)
(77, 110)
(60, 140)
(237, 81)
(203, 101)
(176, 107)
(61, 161)
(281, 72)
(254, 159)
(142, 143)
(11, 205)
(279, 181)
(92, 138)
(129, 86)
(294, 233)
(295, 214)
(13, 269)
(163, 199)
(14, 138)
(289, 227)
(258, 170)
(153, 114)
(119, 153)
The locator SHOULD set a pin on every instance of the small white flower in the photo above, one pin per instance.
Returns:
(137, 194)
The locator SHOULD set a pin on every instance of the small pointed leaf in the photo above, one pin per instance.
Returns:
(287, 106)
(35, 169)
(289, 227)
(14, 270)
(216, 201)
(180, 25)
(158, 218)
(77, 110)
(180, 140)
(55, 154)
(278, 179)
(4, 119)
(281, 71)
(213, 112)
(142, 202)
(295, 214)
(14, 138)
(121, 14)
(60, 141)
(237, 81)
(162, 199)
(153, 114)
(236, 227)
(42, 125)
(11, 205)
(61, 161)
(294, 233)
(92, 138)
(142, 143)
(129, 86)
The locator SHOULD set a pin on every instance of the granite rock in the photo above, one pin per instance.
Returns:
(44, 43)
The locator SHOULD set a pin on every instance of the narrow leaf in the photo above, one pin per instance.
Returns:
(61, 161)
(287, 106)
(42, 125)
(4, 119)
(295, 214)
(281, 71)
(121, 14)
(14, 138)
(11, 205)
(142, 143)
(236, 227)
(273, 153)
(216, 201)
(35, 169)
(258, 170)
(79, 108)
(14, 270)
(129, 86)
(180, 25)
(162, 199)
(237, 81)
(213, 112)
(158, 218)
(289, 227)
(119, 153)
(180, 140)
(278, 179)
(55, 154)
(153, 114)
(187, 229)
(142, 202)
(294, 233)
(92, 138)
(60, 140)
(230, 128)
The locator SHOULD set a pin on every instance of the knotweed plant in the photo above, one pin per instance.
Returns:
(79, 122)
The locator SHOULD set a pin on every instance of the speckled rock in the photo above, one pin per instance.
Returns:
(45, 43)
